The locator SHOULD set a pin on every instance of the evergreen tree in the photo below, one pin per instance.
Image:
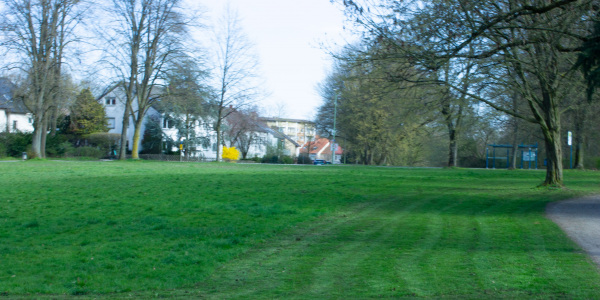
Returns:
(87, 115)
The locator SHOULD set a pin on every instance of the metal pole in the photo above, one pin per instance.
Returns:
(487, 157)
(522, 158)
(571, 157)
(334, 119)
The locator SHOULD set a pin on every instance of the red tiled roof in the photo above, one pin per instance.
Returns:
(318, 145)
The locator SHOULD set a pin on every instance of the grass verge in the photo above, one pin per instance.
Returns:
(145, 229)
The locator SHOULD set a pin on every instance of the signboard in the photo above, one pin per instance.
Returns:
(528, 156)
(569, 138)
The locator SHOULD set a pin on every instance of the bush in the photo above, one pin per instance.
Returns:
(104, 141)
(285, 159)
(304, 159)
(54, 144)
(230, 153)
(274, 159)
(14, 144)
(270, 159)
(3, 149)
(85, 151)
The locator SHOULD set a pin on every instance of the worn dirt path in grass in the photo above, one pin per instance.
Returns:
(580, 219)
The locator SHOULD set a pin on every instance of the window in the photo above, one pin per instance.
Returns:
(111, 123)
(167, 122)
(30, 120)
(110, 101)
(15, 125)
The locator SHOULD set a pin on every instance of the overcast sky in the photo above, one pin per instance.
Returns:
(287, 35)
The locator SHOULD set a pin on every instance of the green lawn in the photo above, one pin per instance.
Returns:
(185, 230)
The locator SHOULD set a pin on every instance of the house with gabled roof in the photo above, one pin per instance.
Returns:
(321, 148)
(14, 116)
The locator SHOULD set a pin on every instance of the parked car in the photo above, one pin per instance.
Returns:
(321, 162)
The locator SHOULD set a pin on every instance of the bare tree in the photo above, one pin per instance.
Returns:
(184, 102)
(243, 130)
(37, 32)
(146, 35)
(235, 66)
(531, 42)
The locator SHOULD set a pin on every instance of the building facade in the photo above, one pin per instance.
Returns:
(300, 131)
(204, 144)
(14, 116)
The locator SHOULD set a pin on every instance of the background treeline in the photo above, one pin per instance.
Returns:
(159, 54)
(432, 83)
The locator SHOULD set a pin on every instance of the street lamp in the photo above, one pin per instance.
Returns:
(333, 148)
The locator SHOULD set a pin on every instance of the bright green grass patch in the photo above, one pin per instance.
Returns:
(146, 229)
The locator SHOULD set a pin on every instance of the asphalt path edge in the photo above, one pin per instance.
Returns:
(579, 218)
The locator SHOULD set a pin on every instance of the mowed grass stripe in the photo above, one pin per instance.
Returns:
(229, 231)
(318, 261)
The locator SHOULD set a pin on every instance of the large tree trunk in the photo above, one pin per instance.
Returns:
(54, 120)
(579, 153)
(36, 142)
(44, 134)
(452, 149)
(123, 149)
(554, 169)
(135, 148)
(579, 133)
(515, 140)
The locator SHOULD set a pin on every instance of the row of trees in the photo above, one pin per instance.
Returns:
(147, 52)
(421, 66)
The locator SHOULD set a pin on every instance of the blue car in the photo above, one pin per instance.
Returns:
(321, 162)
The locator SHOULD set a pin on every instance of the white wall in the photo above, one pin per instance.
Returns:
(115, 115)
(24, 122)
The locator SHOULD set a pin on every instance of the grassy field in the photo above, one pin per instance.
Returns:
(148, 229)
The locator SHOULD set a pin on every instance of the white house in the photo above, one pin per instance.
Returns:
(14, 117)
(114, 105)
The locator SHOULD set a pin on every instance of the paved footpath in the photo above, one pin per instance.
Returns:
(580, 219)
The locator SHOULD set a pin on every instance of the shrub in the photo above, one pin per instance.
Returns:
(274, 159)
(14, 144)
(54, 144)
(230, 153)
(104, 141)
(270, 159)
(304, 159)
(86, 151)
(285, 159)
(3, 148)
